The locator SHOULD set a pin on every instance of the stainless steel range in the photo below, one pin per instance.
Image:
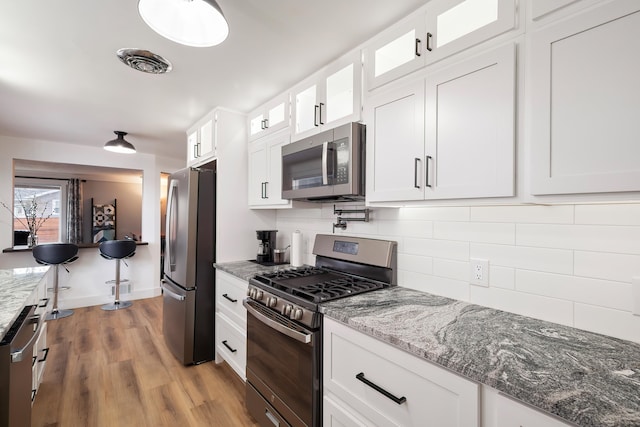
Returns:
(284, 337)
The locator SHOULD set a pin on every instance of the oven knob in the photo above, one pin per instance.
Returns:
(272, 301)
(259, 294)
(297, 314)
(252, 293)
(286, 310)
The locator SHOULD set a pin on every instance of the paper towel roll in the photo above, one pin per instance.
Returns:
(296, 249)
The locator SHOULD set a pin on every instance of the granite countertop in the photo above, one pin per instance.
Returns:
(245, 270)
(16, 285)
(583, 377)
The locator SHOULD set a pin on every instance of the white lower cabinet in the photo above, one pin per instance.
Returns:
(43, 304)
(368, 382)
(501, 411)
(231, 322)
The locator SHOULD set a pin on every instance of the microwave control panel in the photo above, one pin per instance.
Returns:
(342, 162)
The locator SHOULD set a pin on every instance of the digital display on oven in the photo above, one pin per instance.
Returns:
(350, 248)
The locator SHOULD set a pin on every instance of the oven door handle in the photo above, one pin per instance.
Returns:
(298, 336)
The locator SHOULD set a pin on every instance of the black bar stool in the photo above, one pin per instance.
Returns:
(56, 254)
(118, 250)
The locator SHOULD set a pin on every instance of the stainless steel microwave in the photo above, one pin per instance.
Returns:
(329, 166)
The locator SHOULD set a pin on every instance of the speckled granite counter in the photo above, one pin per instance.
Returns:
(583, 377)
(247, 269)
(16, 285)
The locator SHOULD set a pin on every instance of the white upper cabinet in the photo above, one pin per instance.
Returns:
(442, 28)
(470, 132)
(455, 25)
(456, 142)
(395, 144)
(265, 172)
(201, 140)
(585, 102)
(395, 52)
(270, 118)
(331, 97)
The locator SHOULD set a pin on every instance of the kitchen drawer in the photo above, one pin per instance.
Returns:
(230, 291)
(335, 415)
(426, 395)
(231, 344)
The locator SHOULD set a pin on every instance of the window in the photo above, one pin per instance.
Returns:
(38, 204)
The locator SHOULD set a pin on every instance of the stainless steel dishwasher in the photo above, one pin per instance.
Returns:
(16, 360)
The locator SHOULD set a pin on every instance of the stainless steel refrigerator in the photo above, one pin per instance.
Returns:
(188, 284)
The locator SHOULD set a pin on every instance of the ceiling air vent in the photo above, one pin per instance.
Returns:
(143, 60)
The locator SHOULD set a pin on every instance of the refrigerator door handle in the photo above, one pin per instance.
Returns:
(171, 293)
(172, 222)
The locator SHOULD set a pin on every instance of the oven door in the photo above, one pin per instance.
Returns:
(283, 366)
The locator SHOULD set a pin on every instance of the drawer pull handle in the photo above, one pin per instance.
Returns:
(44, 304)
(229, 298)
(232, 350)
(398, 400)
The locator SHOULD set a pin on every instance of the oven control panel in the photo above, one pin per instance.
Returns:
(284, 307)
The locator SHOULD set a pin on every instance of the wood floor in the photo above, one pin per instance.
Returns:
(112, 368)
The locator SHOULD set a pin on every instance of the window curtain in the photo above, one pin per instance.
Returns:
(74, 211)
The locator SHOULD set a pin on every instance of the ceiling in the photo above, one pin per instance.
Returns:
(60, 79)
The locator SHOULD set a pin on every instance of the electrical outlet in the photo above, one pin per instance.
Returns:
(479, 272)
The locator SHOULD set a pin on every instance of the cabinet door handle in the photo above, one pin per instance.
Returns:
(266, 196)
(266, 123)
(44, 357)
(418, 42)
(315, 115)
(321, 105)
(429, 158)
(415, 172)
(429, 36)
(195, 151)
(232, 350)
(398, 400)
(229, 298)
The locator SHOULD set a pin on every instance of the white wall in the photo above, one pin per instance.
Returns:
(89, 273)
(568, 264)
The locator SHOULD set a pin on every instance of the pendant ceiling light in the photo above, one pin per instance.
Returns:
(198, 23)
(119, 145)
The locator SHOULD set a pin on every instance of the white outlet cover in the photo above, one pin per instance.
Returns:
(635, 294)
(479, 272)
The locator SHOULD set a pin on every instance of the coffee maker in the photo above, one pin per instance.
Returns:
(266, 245)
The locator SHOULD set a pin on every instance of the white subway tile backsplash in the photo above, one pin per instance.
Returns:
(620, 214)
(541, 259)
(598, 265)
(603, 293)
(583, 237)
(415, 263)
(502, 277)
(523, 214)
(413, 228)
(449, 288)
(549, 309)
(616, 323)
(434, 214)
(485, 232)
(457, 270)
(437, 248)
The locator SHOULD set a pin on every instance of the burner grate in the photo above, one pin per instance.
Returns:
(333, 289)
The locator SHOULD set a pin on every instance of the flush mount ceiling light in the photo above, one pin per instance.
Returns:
(198, 23)
(119, 145)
